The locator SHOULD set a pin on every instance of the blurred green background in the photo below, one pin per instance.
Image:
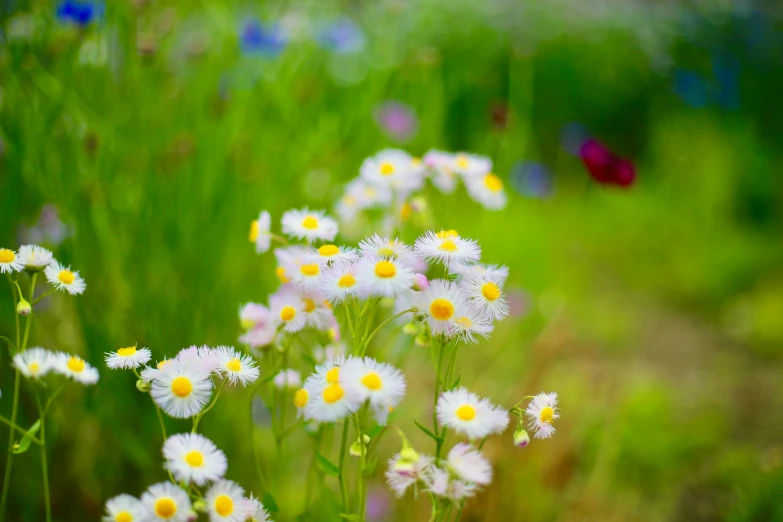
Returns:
(157, 131)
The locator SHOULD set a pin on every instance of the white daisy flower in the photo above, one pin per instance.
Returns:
(471, 165)
(309, 225)
(469, 464)
(442, 304)
(403, 474)
(182, 388)
(383, 277)
(446, 248)
(75, 367)
(380, 383)
(127, 358)
(259, 232)
(287, 310)
(339, 282)
(124, 508)
(348, 207)
(254, 315)
(203, 357)
(254, 510)
(301, 399)
(225, 502)
(317, 311)
(257, 337)
(288, 261)
(384, 248)
(487, 190)
(436, 480)
(307, 277)
(469, 325)
(34, 363)
(393, 168)
(191, 457)
(327, 399)
(542, 411)
(63, 278)
(167, 502)
(34, 257)
(441, 165)
(329, 253)
(497, 273)
(148, 374)
(9, 261)
(237, 367)
(288, 379)
(465, 413)
(485, 296)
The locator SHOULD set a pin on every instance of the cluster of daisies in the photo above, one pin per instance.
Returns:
(392, 176)
(193, 461)
(34, 363)
(34, 258)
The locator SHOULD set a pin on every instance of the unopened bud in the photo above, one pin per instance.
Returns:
(409, 455)
(24, 308)
(143, 386)
(420, 282)
(521, 438)
(358, 449)
(200, 506)
(423, 339)
(410, 329)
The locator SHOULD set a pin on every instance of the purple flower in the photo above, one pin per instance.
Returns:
(342, 36)
(78, 12)
(259, 39)
(397, 120)
(531, 179)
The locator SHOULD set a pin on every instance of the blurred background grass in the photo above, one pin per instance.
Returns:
(157, 131)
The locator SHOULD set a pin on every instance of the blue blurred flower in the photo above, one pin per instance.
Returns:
(397, 120)
(342, 36)
(265, 40)
(726, 70)
(573, 136)
(531, 179)
(691, 87)
(79, 12)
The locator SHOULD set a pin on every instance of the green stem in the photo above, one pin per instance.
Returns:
(434, 512)
(42, 296)
(450, 369)
(343, 487)
(20, 430)
(256, 461)
(439, 442)
(198, 417)
(387, 321)
(10, 344)
(362, 463)
(459, 511)
(44, 467)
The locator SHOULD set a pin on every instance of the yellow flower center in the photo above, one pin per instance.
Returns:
(333, 375)
(280, 273)
(346, 281)
(126, 352)
(76, 365)
(163, 363)
(309, 270)
(462, 161)
(387, 169)
(406, 211)
(372, 381)
(547, 415)
(309, 305)
(333, 393)
(253, 230)
(310, 222)
(448, 246)
(387, 252)
(349, 200)
(465, 322)
(181, 387)
(446, 234)
(66, 277)
(328, 250)
(6, 256)
(123, 516)
(415, 161)
(300, 398)
(385, 269)
(224, 505)
(328, 305)
(441, 309)
(466, 412)
(165, 507)
(234, 365)
(287, 313)
(493, 183)
(491, 291)
(195, 459)
(34, 367)
(247, 324)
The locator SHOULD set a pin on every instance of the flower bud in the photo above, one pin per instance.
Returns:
(143, 386)
(521, 438)
(357, 449)
(24, 308)
(334, 334)
(410, 328)
(420, 282)
(423, 339)
(403, 467)
(409, 455)
(200, 506)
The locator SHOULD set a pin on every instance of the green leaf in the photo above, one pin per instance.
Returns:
(375, 431)
(456, 383)
(328, 466)
(269, 502)
(425, 430)
(349, 517)
(24, 444)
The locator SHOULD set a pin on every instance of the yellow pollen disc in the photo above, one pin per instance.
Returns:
(253, 230)
(415, 161)
(34, 367)
(163, 363)
(246, 324)
(194, 459)
(328, 250)
(165, 507)
(234, 365)
(547, 415)
(446, 234)
(123, 516)
(6, 256)
(441, 309)
(387, 169)
(493, 183)
(333, 375)
(349, 200)
(309, 305)
(309, 270)
(224, 505)
(66, 277)
(280, 273)
(328, 305)
(448, 246)
(333, 393)
(75, 365)
(346, 281)
(385, 269)
(372, 381)
(181, 387)
(491, 291)
(287, 313)
(462, 161)
(406, 211)
(387, 252)
(465, 322)
(300, 398)
(310, 222)
(466, 412)
(126, 352)
(370, 192)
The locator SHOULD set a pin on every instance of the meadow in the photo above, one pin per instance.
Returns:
(139, 140)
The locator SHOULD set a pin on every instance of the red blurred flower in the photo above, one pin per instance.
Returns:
(604, 166)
